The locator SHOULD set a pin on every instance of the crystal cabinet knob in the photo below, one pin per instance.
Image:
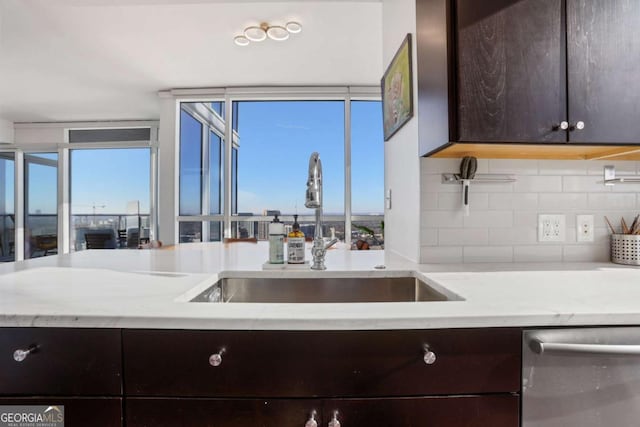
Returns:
(564, 125)
(311, 422)
(216, 358)
(578, 126)
(20, 354)
(334, 420)
(429, 356)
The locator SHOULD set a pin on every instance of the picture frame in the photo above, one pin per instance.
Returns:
(397, 90)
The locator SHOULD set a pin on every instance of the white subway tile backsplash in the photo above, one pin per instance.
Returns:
(441, 255)
(433, 184)
(562, 201)
(463, 237)
(613, 201)
(538, 184)
(503, 219)
(479, 218)
(513, 201)
(442, 219)
(439, 166)
(583, 253)
(429, 236)
(562, 167)
(488, 254)
(453, 201)
(626, 187)
(513, 236)
(525, 219)
(584, 184)
(508, 166)
(537, 253)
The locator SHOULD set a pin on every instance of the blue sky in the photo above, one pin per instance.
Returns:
(276, 140)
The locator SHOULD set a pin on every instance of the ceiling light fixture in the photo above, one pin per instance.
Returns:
(259, 33)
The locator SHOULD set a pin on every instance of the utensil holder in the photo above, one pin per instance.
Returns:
(625, 249)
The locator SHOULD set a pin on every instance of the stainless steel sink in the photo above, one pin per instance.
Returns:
(322, 290)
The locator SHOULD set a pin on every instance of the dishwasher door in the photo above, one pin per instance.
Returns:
(587, 377)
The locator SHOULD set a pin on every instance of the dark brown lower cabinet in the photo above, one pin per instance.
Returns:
(78, 411)
(143, 412)
(454, 411)
(445, 411)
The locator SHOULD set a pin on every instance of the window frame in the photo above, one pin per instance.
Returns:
(230, 96)
(59, 133)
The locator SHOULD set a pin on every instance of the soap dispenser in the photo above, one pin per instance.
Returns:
(295, 244)
(276, 241)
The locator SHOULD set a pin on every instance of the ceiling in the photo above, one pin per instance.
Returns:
(68, 60)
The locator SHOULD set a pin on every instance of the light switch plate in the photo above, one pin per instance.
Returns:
(551, 228)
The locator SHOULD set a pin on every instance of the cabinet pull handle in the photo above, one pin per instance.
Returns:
(216, 358)
(311, 422)
(578, 126)
(334, 420)
(429, 356)
(564, 125)
(19, 355)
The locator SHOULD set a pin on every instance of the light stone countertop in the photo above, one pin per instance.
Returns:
(151, 289)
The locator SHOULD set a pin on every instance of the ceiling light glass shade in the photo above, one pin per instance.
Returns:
(241, 40)
(277, 33)
(255, 34)
(293, 27)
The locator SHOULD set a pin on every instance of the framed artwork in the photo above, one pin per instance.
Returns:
(397, 90)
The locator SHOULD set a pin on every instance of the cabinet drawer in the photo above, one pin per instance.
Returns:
(321, 363)
(145, 412)
(65, 362)
(462, 411)
(78, 412)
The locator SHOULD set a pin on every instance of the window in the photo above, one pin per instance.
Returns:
(190, 165)
(201, 170)
(110, 194)
(272, 142)
(367, 174)
(7, 211)
(276, 140)
(41, 204)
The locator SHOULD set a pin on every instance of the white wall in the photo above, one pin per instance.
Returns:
(402, 161)
(6, 131)
(502, 224)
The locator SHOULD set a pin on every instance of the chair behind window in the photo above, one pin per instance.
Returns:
(99, 241)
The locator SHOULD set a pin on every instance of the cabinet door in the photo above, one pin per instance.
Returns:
(142, 412)
(450, 411)
(603, 39)
(60, 362)
(511, 81)
(78, 412)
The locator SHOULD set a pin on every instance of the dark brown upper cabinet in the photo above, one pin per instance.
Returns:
(556, 74)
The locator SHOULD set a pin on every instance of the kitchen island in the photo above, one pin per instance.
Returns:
(114, 337)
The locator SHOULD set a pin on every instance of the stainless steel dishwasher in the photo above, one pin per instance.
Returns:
(587, 377)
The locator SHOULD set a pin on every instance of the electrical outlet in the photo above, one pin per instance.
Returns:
(584, 228)
(551, 228)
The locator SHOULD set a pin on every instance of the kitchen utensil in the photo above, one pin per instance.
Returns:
(468, 168)
(625, 229)
(613, 230)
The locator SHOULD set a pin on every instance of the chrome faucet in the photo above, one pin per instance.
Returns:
(313, 200)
